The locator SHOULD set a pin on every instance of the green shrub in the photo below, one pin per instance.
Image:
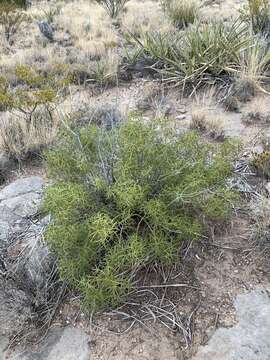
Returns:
(127, 197)
(257, 12)
(181, 12)
(113, 7)
(35, 89)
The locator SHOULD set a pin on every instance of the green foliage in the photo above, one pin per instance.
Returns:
(127, 197)
(198, 54)
(257, 12)
(16, 3)
(113, 7)
(35, 90)
(181, 12)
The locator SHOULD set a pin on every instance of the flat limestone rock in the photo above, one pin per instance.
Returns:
(19, 201)
(249, 339)
(67, 343)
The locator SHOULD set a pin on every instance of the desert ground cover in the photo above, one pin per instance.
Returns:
(134, 172)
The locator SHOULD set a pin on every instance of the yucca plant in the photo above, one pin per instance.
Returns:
(126, 197)
(113, 7)
(201, 52)
(181, 12)
(10, 18)
(255, 62)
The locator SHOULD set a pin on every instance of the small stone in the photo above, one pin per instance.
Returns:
(180, 117)
(267, 187)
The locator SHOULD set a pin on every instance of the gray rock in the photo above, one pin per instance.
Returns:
(181, 117)
(19, 201)
(28, 276)
(3, 346)
(249, 339)
(46, 29)
(61, 344)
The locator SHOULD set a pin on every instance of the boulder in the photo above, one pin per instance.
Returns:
(249, 339)
(68, 343)
(28, 276)
(19, 201)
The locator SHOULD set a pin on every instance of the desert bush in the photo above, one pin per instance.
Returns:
(30, 123)
(257, 12)
(202, 52)
(244, 89)
(113, 7)
(32, 89)
(257, 112)
(10, 19)
(231, 103)
(21, 137)
(261, 162)
(105, 114)
(128, 197)
(181, 12)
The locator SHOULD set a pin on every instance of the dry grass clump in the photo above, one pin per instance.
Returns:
(261, 163)
(222, 10)
(105, 71)
(231, 103)
(144, 16)
(258, 112)
(260, 229)
(150, 93)
(203, 119)
(90, 27)
(244, 89)
(20, 139)
(210, 124)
